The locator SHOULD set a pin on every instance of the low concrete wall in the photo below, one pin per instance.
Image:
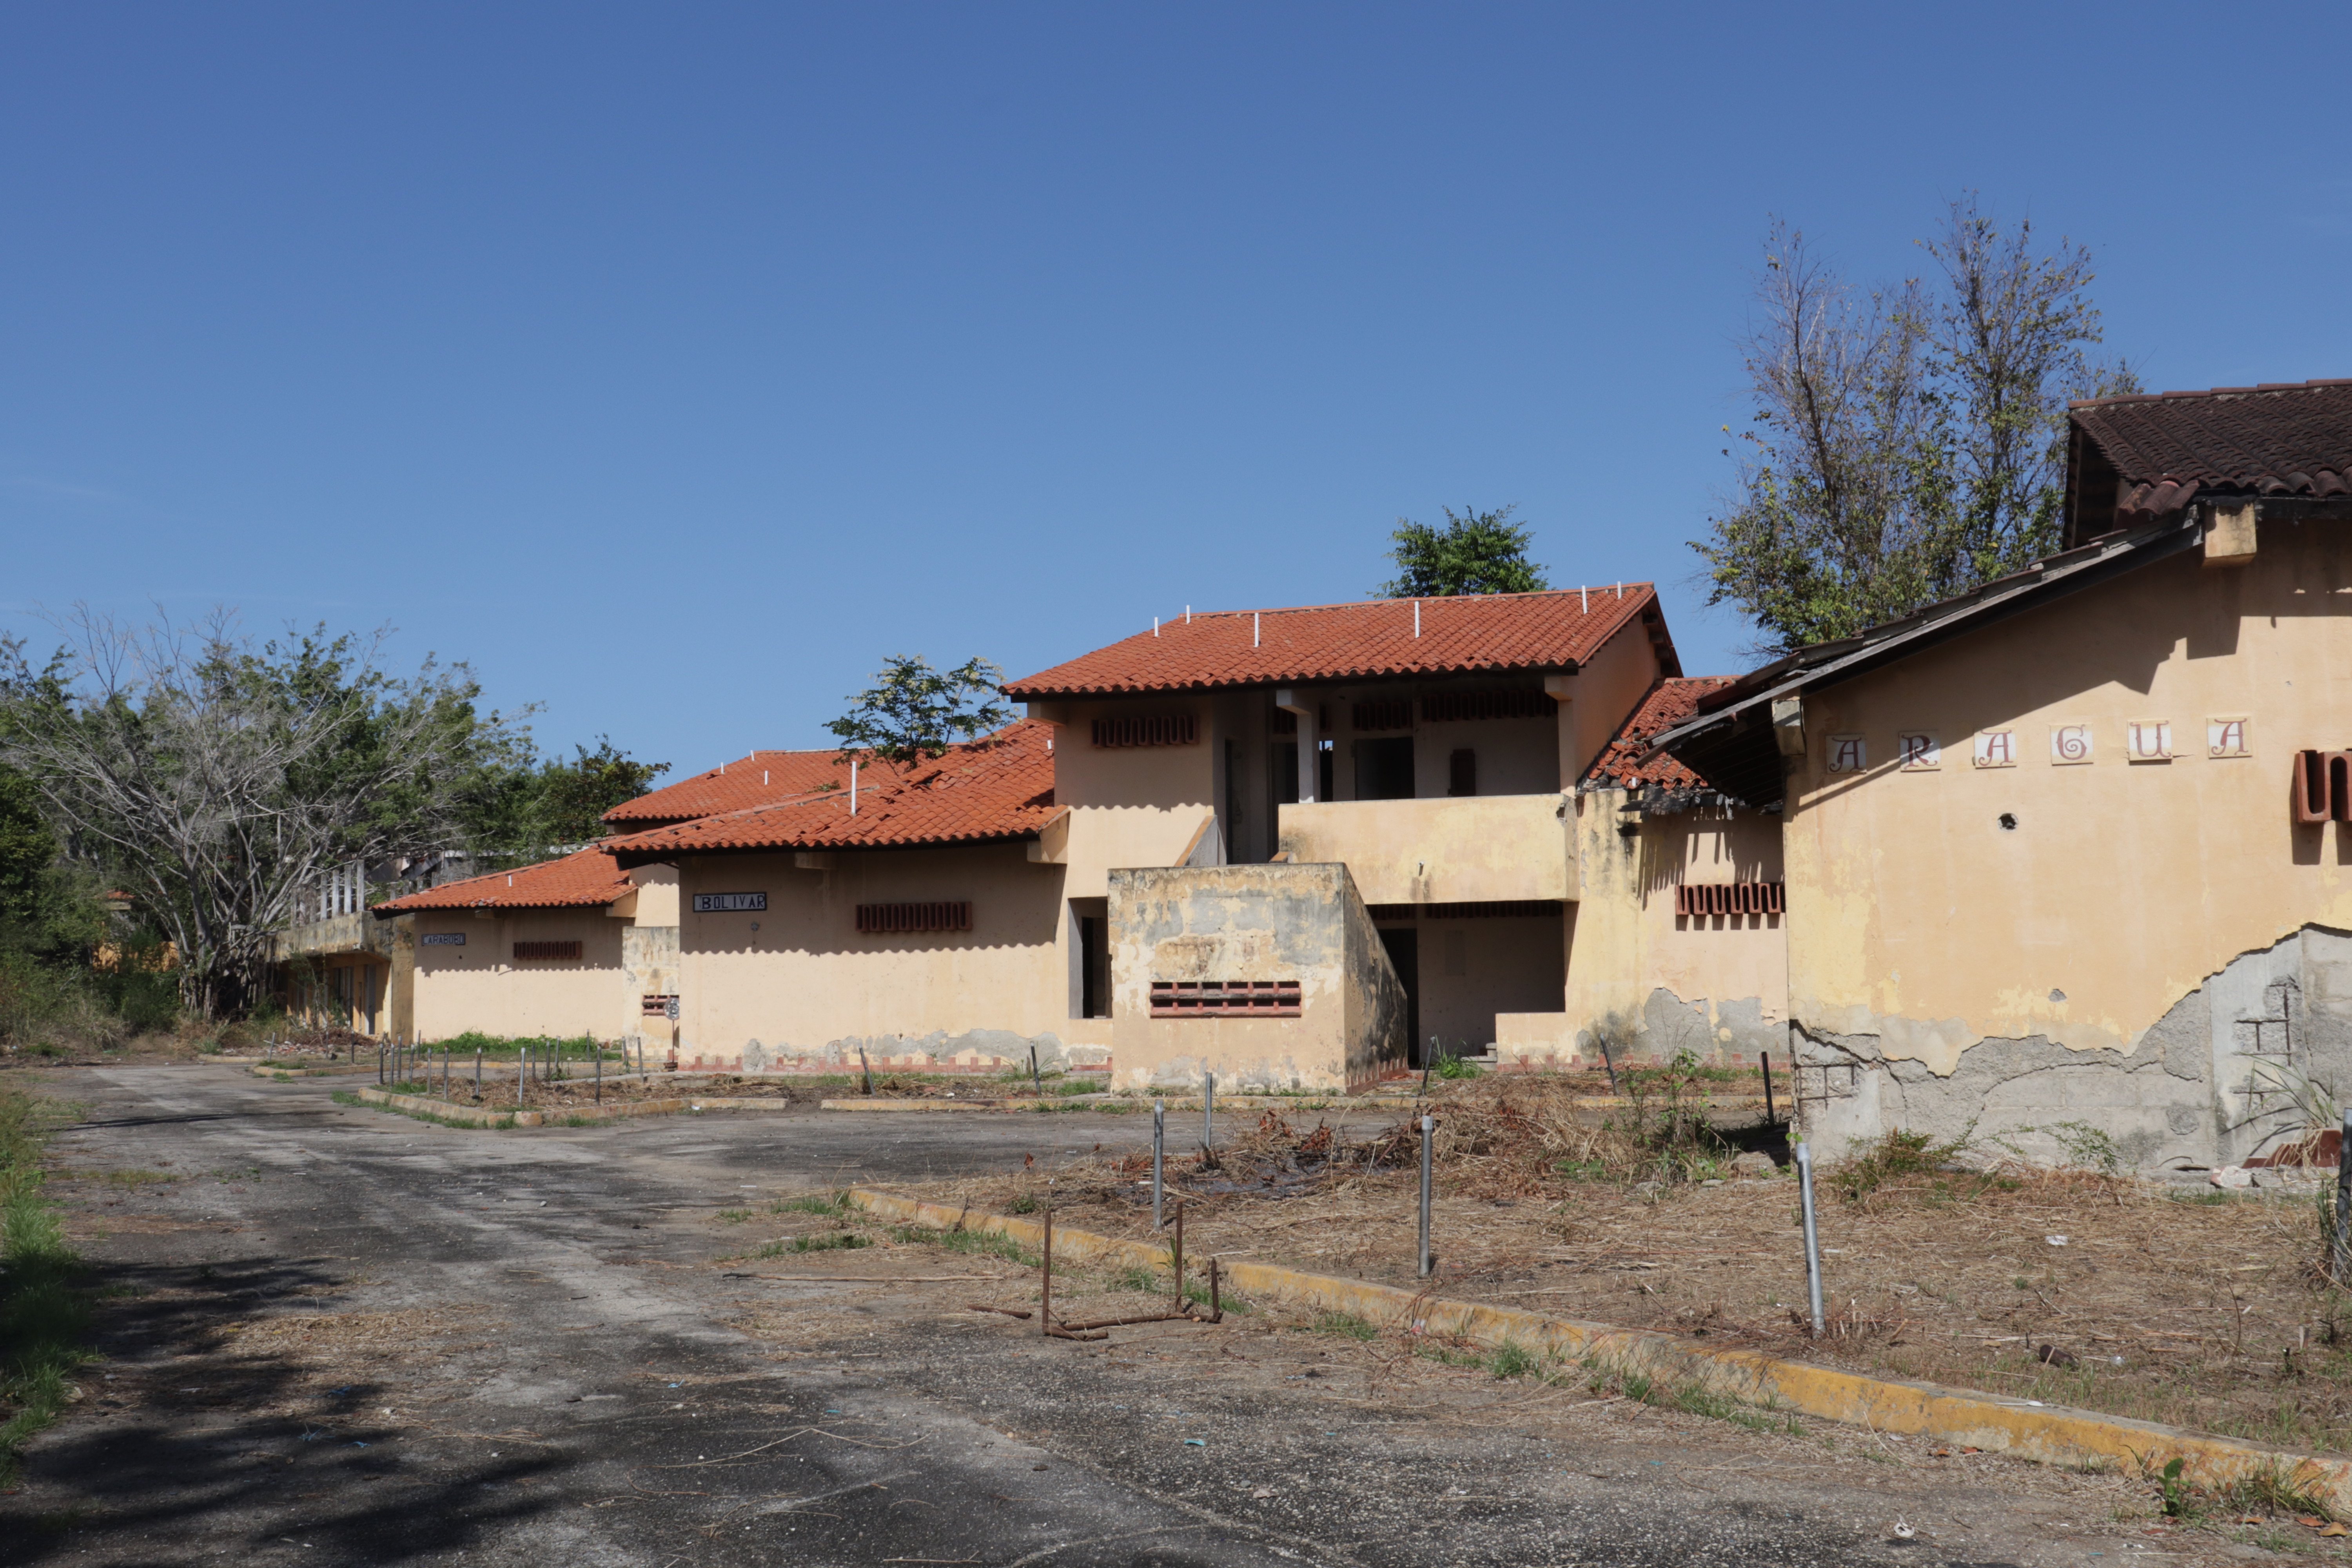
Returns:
(1473, 849)
(1298, 924)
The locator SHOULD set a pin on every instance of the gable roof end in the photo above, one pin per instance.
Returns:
(2133, 459)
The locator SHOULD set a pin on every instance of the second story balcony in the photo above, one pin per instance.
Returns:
(1492, 848)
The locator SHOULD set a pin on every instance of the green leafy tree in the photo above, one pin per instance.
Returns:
(913, 711)
(573, 796)
(1909, 442)
(1475, 552)
(215, 781)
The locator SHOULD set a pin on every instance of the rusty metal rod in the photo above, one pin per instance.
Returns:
(1179, 1255)
(1045, 1275)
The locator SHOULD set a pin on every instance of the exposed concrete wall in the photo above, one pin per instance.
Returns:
(648, 968)
(1651, 982)
(1277, 923)
(480, 985)
(1926, 935)
(797, 986)
(1475, 849)
(2217, 1080)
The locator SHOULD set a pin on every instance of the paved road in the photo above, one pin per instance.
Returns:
(341, 1337)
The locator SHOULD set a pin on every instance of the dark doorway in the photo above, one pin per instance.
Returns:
(1094, 972)
(1462, 772)
(1384, 768)
(1403, 944)
(1282, 758)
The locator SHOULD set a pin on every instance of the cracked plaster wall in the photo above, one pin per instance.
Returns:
(2210, 1083)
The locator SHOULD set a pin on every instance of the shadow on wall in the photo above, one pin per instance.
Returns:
(1665, 854)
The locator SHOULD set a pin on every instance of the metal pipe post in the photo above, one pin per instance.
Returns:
(1812, 1236)
(600, 1075)
(522, 1066)
(477, 1075)
(1045, 1278)
(1208, 1110)
(1159, 1153)
(1036, 1083)
(1764, 1060)
(1428, 1125)
(2342, 1259)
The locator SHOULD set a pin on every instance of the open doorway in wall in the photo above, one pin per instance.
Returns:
(1403, 944)
(1384, 768)
(1090, 945)
(1282, 771)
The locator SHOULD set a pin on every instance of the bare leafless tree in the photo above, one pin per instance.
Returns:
(1906, 443)
(216, 779)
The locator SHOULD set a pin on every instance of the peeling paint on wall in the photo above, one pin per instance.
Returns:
(2223, 1077)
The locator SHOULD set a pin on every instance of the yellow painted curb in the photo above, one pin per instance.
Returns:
(2050, 1433)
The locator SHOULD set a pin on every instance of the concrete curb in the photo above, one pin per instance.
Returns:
(2050, 1433)
(478, 1116)
(912, 1105)
(263, 1068)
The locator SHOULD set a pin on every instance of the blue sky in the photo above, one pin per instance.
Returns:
(672, 366)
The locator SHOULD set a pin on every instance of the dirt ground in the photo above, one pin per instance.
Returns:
(2164, 1301)
(331, 1334)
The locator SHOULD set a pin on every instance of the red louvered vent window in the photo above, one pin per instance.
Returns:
(1385, 714)
(1166, 729)
(1731, 898)
(558, 951)
(892, 920)
(1224, 998)
(1443, 707)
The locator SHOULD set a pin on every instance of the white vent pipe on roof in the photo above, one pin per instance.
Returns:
(853, 786)
(1256, 629)
(1584, 598)
(1416, 617)
(1188, 615)
(1155, 626)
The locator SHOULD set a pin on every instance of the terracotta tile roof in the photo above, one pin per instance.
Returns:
(1000, 787)
(1620, 761)
(584, 879)
(756, 780)
(1557, 630)
(2274, 440)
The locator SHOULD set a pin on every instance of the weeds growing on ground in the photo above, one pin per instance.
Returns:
(836, 1241)
(44, 1311)
(812, 1203)
(970, 1242)
(1346, 1324)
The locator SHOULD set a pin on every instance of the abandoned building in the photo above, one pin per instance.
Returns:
(1296, 847)
(566, 948)
(2070, 856)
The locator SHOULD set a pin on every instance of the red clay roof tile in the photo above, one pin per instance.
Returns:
(1000, 787)
(1669, 702)
(583, 879)
(2266, 440)
(1555, 630)
(757, 780)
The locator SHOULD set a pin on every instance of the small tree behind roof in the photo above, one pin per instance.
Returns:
(913, 711)
(1475, 552)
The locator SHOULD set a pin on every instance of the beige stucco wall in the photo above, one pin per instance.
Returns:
(807, 989)
(1599, 696)
(1282, 922)
(1923, 931)
(1475, 848)
(482, 987)
(1652, 982)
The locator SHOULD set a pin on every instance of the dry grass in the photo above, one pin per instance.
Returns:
(2186, 1306)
